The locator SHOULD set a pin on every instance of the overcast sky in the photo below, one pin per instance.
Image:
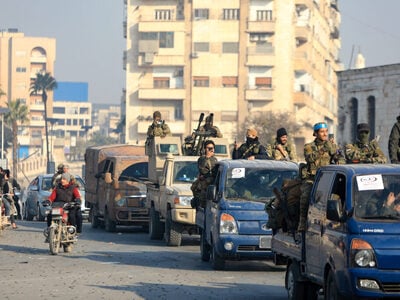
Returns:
(90, 43)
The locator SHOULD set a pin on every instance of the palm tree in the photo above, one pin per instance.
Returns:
(41, 84)
(18, 114)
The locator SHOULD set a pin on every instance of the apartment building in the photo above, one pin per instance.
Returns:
(232, 58)
(21, 58)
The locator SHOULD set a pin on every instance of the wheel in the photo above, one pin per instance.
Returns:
(217, 262)
(68, 248)
(331, 291)
(173, 235)
(156, 228)
(109, 225)
(39, 216)
(204, 248)
(27, 215)
(54, 240)
(295, 287)
(94, 220)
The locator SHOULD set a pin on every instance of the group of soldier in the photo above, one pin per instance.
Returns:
(321, 151)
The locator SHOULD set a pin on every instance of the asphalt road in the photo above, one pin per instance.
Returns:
(125, 265)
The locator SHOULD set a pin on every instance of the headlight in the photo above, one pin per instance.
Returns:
(121, 202)
(183, 200)
(362, 254)
(227, 224)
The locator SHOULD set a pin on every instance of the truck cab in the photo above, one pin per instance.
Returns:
(234, 222)
(351, 247)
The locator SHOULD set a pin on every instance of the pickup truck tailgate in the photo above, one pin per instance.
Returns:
(284, 244)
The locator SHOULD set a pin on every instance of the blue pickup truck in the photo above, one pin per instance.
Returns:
(233, 225)
(351, 248)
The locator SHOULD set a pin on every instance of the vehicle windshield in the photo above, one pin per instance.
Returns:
(254, 184)
(185, 171)
(136, 170)
(377, 197)
(47, 184)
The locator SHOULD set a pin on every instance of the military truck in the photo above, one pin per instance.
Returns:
(114, 191)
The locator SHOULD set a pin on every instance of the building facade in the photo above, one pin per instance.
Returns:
(21, 58)
(369, 95)
(232, 58)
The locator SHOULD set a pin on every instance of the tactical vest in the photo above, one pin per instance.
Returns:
(65, 194)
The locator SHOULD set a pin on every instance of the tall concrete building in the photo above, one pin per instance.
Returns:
(21, 58)
(232, 58)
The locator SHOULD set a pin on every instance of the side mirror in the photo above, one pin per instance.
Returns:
(107, 177)
(211, 193)
(34, 188)
(333, 212)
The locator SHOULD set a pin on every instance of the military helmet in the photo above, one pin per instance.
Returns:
(60, 166)
(320, 125)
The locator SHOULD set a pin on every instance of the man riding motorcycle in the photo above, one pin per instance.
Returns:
(66, 192)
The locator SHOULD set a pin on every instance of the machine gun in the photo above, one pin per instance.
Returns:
(190, 141)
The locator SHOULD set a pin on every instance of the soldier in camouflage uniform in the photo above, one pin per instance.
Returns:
(363, 150)
(251, 149)
(158, 127)
(207, 171)
(394, 143)
(208, 127)
(320, 152)
(282, 149)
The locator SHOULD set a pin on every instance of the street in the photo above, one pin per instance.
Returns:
(125, 265)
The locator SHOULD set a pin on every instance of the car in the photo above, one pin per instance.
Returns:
(39, 190)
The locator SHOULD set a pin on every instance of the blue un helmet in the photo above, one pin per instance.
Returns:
(318, 126)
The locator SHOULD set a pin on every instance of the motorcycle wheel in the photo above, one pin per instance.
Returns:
(54, 240)
(68, 248)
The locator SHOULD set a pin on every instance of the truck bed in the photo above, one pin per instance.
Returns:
(283, 244)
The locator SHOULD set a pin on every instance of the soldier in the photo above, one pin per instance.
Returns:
(364, 150)
(207, 171)
(208, 127)
(319, 152)
(282, 149)
(158, 127)
(57, 175)
(251, 149)
(394, 143)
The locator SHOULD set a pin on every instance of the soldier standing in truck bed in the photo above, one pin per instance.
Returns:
(251, 149)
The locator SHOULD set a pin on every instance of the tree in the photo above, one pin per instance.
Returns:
(267, 123)
(41, 84)
(18, 114)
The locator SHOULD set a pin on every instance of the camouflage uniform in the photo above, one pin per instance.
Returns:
(394, 143)
(207, 172)
(248, 149)
(289, 149)
(158, 130)
(364, 153)
(317, 154)
(210, 131)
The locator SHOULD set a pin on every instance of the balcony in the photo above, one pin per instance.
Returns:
(124, 28)
(259, 94)
(177, 126)
(162, 26)
(38, 59)
(302, 99)
(260, 56)
(160, 60)
(307, 3)
(301, 62)
(162, 93)
(261, 26)
(303, 33)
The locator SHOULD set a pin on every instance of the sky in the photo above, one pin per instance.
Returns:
(90, 42)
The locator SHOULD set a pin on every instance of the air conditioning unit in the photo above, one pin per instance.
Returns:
(194, 55)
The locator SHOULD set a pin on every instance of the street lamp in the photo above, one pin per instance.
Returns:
(3, 111)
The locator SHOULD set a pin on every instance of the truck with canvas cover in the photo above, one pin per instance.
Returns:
(114, 190)
(351, 246)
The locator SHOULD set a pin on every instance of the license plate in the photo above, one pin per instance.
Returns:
(56, 211)
(265, 242)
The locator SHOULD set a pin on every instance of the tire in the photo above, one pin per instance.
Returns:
(331, 291)
(68, 248)
(39, 216)
(109, 225)
(173, 234)
(27, 215)
(54, 240)
(94, 220)
(217, 262)
(156, 228)
(295, 287)
(205, 250)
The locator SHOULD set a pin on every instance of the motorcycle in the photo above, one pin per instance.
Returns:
(61, 232)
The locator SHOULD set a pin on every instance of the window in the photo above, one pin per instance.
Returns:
(21, 70)
(265, 82)
(162, 14)
(264, 15)
(231, 14)
(178, 111)
(148, 36)
(201, 81)
(166, 40)
(83, 110)
(22, 100)
(230, 47)
(229, 81)
(161, 82)
(201, 13)
(58, 110)
(202, 47)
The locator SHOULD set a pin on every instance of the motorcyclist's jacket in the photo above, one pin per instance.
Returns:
(65, 194)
